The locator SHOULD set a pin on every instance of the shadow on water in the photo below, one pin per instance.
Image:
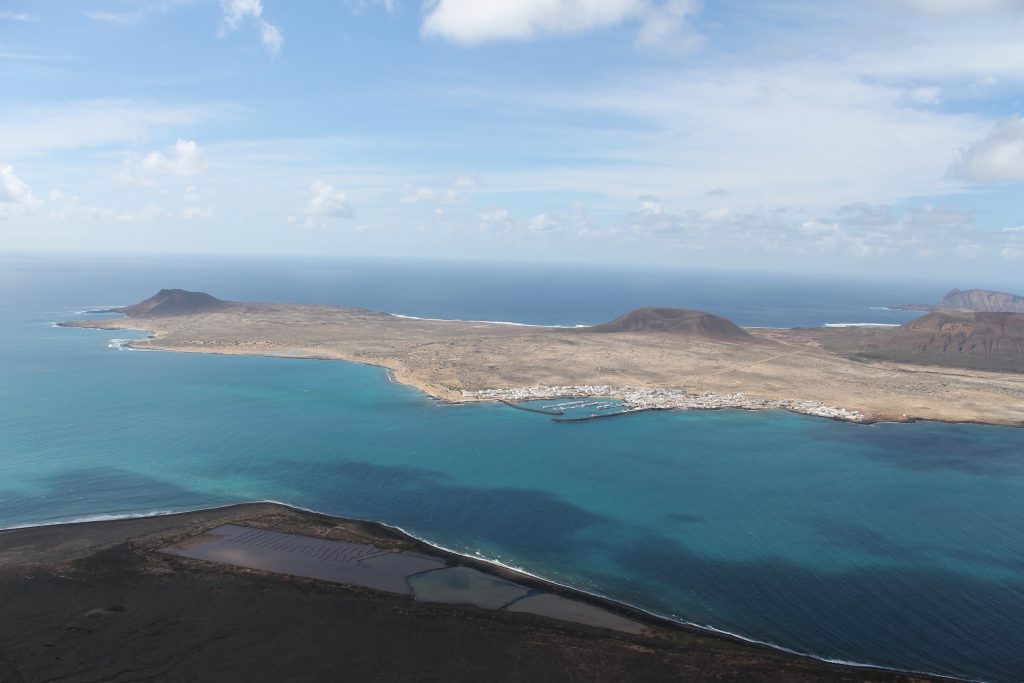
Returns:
(866, 541)
(899, 616)
(861, 539)
(684, 518)
(76, 493)
(926, 446)
(906, 617)
(523, 519)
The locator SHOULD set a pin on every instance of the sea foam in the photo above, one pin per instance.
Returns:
(486, 322)
(121, 344)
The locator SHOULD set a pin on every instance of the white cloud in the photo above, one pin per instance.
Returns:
(142, 11)
(817, 227)
(855, 233)
(32, 57)
(185, 159)
(357, 7)
(927, 95)
(953, 7)
(665, 26)
(326, 202)
(541, 223)
(650, 205)
(15, 196)
(997, 157)
(495, 220)
(70, 207)
(31, 130)
(571, 224)
(821, 123)
(238, 11)
(191, 213)
(453, 194)
(13, 190)
(468, 182)
(476, 21)
(235, 12)
(122, 18)
(969, 251)
(795, 133)
(1013, 244)
(977, 52)
(415, 195)
(150, 212)
(271, 37)
(494, 216)
(17, 16)
(857, 230)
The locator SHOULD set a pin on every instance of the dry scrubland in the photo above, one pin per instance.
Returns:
(444, 358)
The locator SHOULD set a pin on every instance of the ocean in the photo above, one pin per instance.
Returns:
(892, 545)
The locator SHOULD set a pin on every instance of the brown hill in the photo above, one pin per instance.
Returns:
(174, 302)
(978, 340)
(982, 300)
(677, 321)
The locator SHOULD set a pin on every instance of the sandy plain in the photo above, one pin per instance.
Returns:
(446, 358)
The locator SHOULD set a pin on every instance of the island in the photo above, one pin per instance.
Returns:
(979, 300)
(657, 358)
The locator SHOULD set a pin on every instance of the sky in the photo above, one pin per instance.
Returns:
(861, 136)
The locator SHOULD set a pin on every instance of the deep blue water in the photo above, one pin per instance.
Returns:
(526, 294)
(898, 545)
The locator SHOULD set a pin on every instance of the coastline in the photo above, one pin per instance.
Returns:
(398, 373)
(448, 396)
(390, 375)
(70, 530)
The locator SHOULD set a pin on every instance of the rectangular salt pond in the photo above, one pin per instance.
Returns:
(428, 579)
(312, 558)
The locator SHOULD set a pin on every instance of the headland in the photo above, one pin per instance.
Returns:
(978, 300)
(151, 598)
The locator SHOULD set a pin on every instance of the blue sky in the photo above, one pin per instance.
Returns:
(875, 136)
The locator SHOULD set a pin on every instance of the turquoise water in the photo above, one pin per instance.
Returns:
(896, 545)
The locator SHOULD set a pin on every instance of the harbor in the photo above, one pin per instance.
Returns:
(638, 399)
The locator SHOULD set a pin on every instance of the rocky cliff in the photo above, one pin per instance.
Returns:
(977, 340)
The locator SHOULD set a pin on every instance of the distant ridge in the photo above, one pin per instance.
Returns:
(978, 340)
(168, 302)
(680, 321)
(979, 300)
